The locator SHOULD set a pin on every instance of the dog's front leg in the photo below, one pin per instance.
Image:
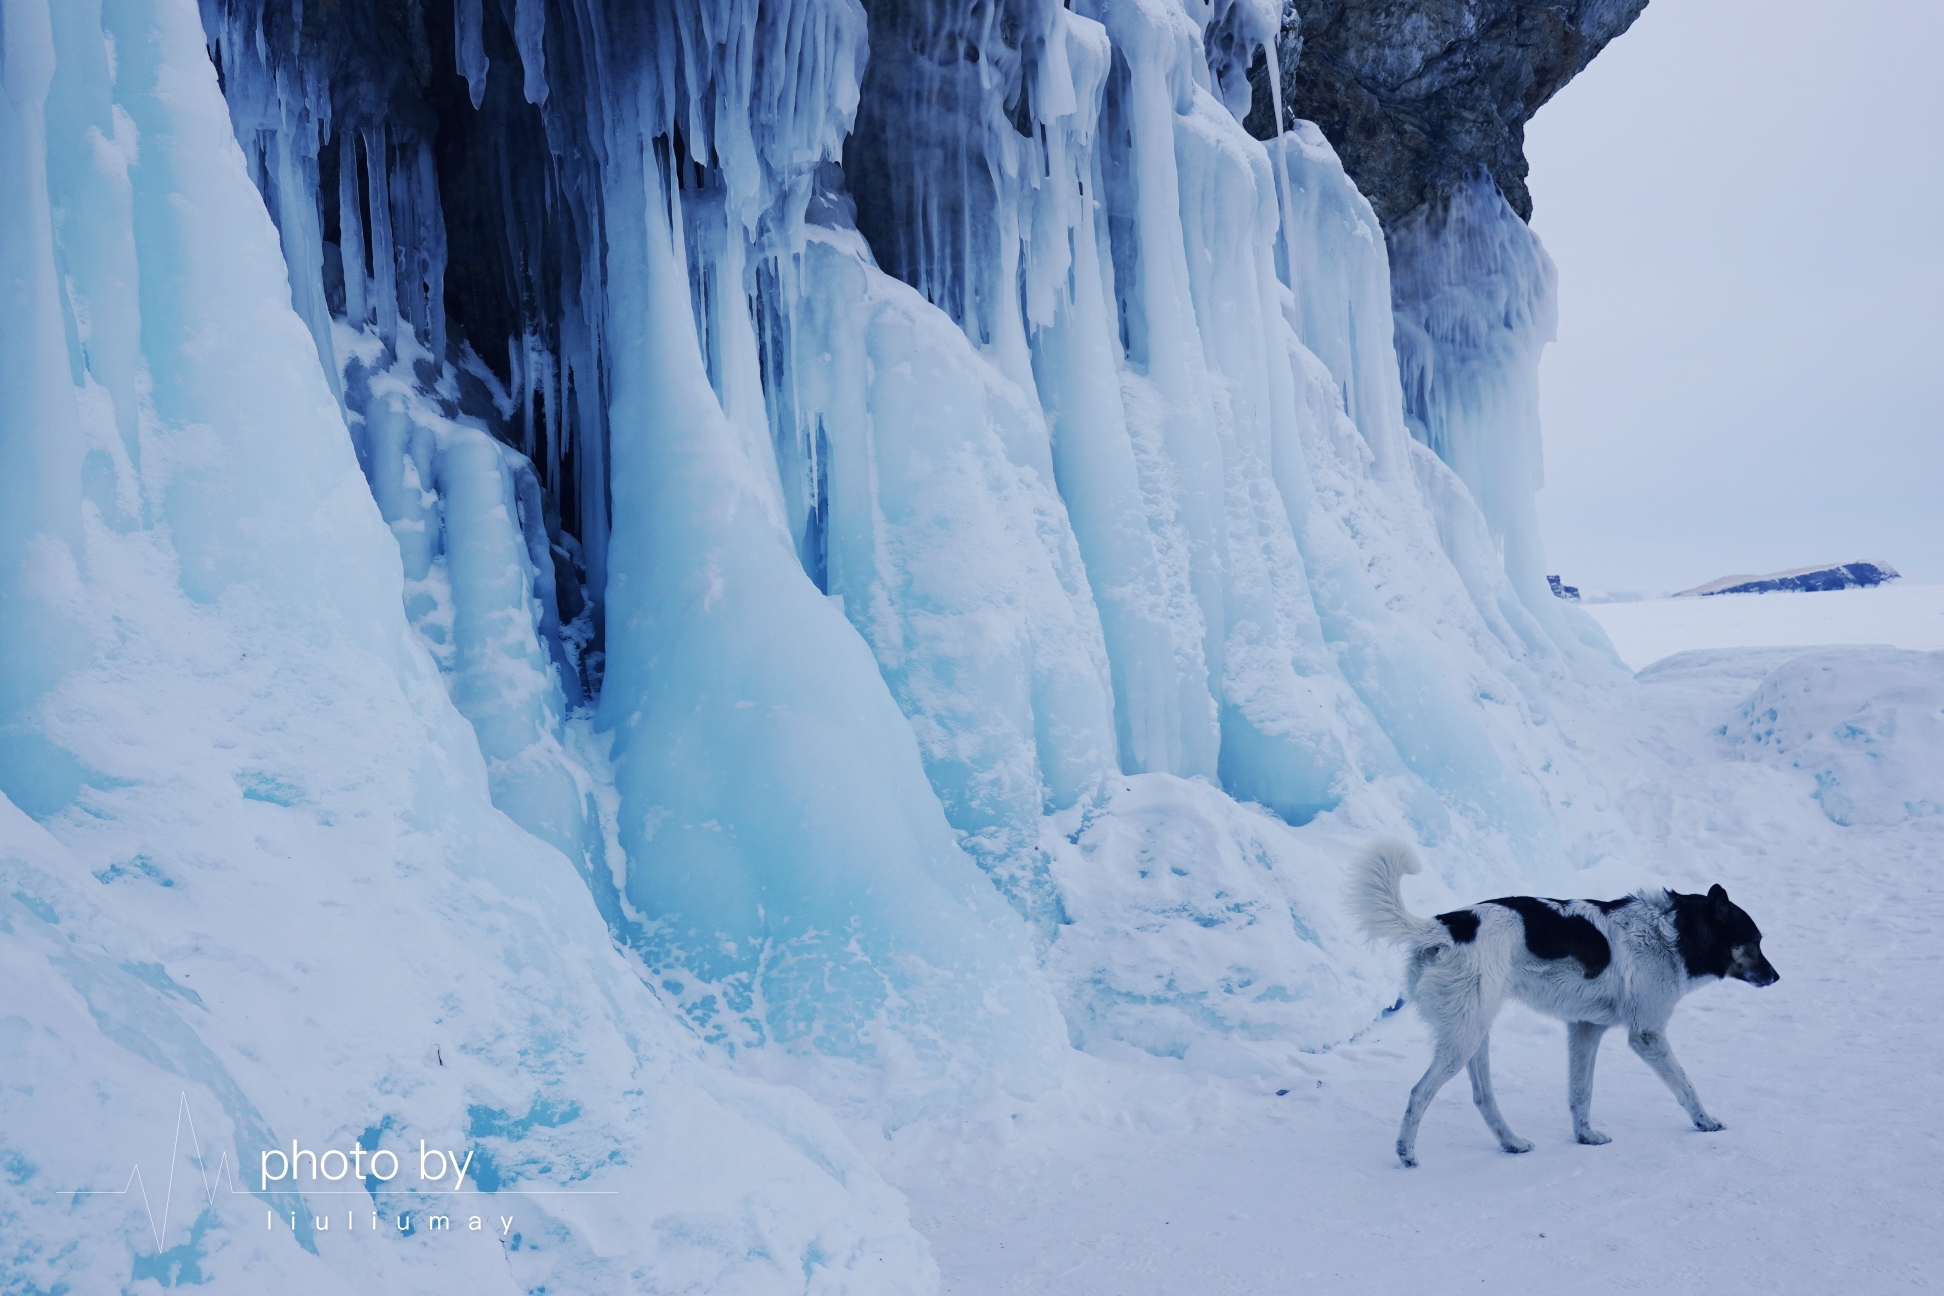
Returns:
(1655, 1052)
(1582, 1050)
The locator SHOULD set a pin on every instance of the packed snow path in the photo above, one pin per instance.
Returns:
(1142, 1178)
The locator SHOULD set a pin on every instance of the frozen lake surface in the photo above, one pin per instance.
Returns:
(1899, 614)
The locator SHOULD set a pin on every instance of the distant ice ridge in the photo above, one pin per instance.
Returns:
(1828, 576)
(911, 505)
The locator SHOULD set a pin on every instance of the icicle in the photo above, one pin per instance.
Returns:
(351, 241)
(295, 187)
(553, 425)
(384, 268)
(556, 426)
(581, 348)
(408, 237)
(1473, 293)
(469, 40)
(530, 36)
(517, 386)
(431, 251)
(1272, 52)
(41, 443)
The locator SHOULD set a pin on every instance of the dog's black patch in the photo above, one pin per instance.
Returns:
(1550, 934)
(1461, 923)
(1707, 929)
(1608, 906)
(1700, 941)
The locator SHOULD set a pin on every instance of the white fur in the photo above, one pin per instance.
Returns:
(1377, 901)
(1459, 987)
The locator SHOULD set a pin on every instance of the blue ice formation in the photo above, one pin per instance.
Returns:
(268, 887)
(552, 542)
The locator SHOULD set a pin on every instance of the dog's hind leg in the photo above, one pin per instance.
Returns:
(1451, 1054)
(1480, 1067)
(1582, 1049)
(1654, 1051)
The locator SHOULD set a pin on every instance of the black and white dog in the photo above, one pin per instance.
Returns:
(1592, 963)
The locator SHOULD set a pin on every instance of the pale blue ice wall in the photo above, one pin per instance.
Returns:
(1475, 304)
(776, 854)
(1117, 517)
(780, 834)
(263, 889)
(1117, 480)
(1029, 425)
(1296, 648)
(1017, 515)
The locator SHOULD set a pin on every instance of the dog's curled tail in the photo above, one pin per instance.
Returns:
(1377, 901)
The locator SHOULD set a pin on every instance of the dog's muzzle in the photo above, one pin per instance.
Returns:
(1746, 962)
(1750, 965)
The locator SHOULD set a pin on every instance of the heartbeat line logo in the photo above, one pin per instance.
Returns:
(160, 1229)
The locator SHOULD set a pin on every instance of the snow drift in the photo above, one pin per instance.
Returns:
(1866, 723)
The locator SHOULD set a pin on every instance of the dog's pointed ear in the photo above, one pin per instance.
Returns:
(1719, 895)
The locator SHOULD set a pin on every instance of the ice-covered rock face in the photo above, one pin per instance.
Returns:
(1426, 104)
(1472, 294)
(906, 519)
(264, 895)
(821, 446)
(1417, 97)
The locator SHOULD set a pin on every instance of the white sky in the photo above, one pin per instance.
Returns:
(1745, 200)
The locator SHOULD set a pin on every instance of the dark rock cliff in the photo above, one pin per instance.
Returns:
(1419, 95)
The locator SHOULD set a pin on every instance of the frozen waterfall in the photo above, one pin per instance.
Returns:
(845, 537)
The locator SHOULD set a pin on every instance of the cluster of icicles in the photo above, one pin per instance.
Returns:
(920, 415)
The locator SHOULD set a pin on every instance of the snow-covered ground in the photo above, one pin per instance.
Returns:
(1140, 1177)
(1899, 614)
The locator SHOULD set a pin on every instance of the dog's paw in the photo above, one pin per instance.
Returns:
(1708, 1124)
(1592, 1137)
(1406, 1157)
(1516, 1146)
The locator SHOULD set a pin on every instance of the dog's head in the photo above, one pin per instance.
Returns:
(1718, 938)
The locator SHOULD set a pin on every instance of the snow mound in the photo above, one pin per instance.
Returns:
(1204, 930)
(1866, 723)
